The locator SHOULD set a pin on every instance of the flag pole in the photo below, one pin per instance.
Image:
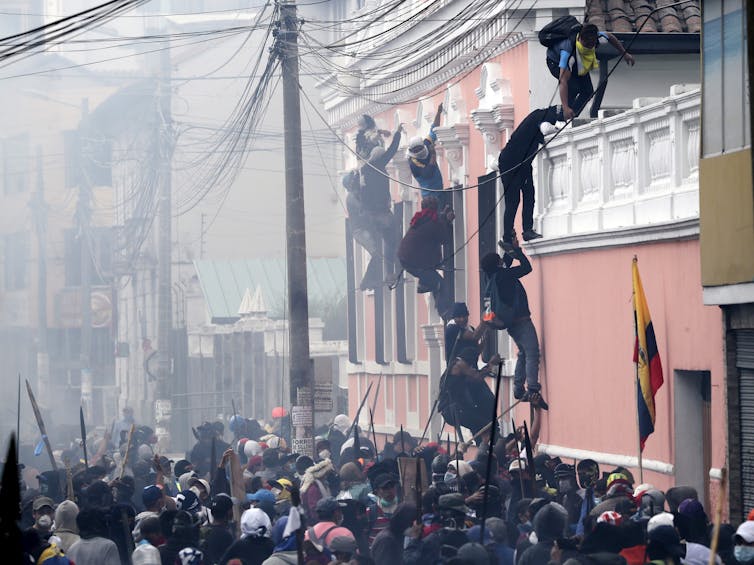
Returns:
(637, 385)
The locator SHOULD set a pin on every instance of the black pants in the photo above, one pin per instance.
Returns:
(580, 89)
(516, 184)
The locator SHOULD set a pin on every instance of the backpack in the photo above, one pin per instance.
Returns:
(497, 313)
(565, 27)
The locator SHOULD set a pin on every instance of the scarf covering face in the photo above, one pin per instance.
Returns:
(422, 216)
(586, 58)
(256, 524)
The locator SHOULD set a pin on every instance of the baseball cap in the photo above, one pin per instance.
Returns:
(151, 494)
(661, 519)
(188, 501)
(343, 544)
(384, 480)
(745, 531)
(610, 517)
(453, 501)
(221, 504)
(459, 309)
(41, 502)
(667, 538)
(328, 505)
(261, 495)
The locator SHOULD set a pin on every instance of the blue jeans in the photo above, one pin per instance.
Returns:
(524, 334)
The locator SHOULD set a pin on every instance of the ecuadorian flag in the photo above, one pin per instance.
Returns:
(647, 358)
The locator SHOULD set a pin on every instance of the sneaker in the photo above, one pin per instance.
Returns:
(519, 394)
(528, 235)
(536, 399)
(506, 246)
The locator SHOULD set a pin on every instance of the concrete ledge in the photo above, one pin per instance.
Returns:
(728, 294)
(606, 458)
(677, 230)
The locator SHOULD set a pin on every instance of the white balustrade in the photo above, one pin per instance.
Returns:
(632, 170)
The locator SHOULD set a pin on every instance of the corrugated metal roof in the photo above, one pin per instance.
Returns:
(224, 283)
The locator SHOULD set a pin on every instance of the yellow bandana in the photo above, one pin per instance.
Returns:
(586, 58)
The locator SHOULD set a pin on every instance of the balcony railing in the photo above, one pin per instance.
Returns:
(636, 169)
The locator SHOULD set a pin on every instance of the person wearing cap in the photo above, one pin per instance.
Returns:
(150, 538)
(422, 159)
(315, 485)
(568, 495)
(263, 499)
(256, 544)
(743, 540)
(664, 546)
(43, 513)
(385, 503)
(217, 536)
(693, 527)
(445, 542)
(342, 549)
(330, 517)
(420, 251)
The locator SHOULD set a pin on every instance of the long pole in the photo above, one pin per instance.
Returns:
(40, 217)
(637, 386)
(85, 240)
(490, 453)
(163, 133)
(300, 376)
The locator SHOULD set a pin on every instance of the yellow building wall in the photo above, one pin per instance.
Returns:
(726, 218)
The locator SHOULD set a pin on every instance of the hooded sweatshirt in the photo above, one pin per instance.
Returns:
(525, 140)
(65, 524)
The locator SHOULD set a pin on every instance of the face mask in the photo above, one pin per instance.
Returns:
(387, 503)
(196, 492)
(449, 478)
(324, 454)
(743, 553)
(44, 522)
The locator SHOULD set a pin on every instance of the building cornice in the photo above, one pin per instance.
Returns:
(632, 235)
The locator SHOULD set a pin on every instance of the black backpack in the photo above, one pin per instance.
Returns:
(565, 27)
(497, 313)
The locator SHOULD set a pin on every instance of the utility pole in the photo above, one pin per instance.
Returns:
(301, 377)
(201, 238)
(164, 133)
(85, 226)
(40, 220)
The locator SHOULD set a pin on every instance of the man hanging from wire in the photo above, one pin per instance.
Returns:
(514, 164)
(422, 158)
(420, 250)
(571, 55)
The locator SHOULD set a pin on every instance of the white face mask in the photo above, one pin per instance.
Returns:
(44, 522)
(744, 554)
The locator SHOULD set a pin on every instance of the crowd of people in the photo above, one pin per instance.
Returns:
(255, 502)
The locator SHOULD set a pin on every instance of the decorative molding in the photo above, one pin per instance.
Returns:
(687, 229)
(453, 139)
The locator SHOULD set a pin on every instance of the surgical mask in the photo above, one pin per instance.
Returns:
(44, 522)
(195, 490)
(449, 477)
(387, 503)
(744, 553)
(324, 454)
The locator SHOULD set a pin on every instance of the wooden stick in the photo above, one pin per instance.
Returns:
(488, 426)
(41, 425)
(68, 479)
(128, 449)
(718, 516)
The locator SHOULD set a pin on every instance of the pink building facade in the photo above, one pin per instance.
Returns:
(620, 186)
